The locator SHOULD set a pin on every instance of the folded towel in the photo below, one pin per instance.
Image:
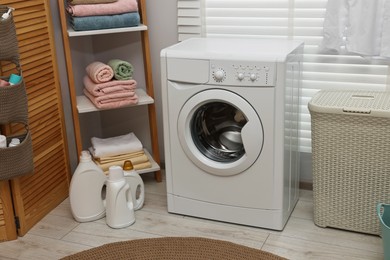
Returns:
(84, 2)
(113, 100)
(113, 86)
(119, 157)
(122, 144)
(98, 22)
(122, 69)
(137, 167)
(136, 161)
(99, 72)
(118, 7)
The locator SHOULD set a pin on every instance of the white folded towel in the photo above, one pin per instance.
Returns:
(112, 146)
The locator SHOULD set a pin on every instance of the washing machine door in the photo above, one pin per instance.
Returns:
(220, 132)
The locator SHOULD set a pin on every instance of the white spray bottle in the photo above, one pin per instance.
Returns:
(119, 203)
(86, 190)
(136, 184)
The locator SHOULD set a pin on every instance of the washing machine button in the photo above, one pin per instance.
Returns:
(253, 77)
(240, 76)
(219, 75)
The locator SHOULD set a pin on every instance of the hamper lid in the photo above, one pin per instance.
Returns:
(368, 103)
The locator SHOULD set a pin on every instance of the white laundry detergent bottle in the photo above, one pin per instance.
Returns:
(119, 203)
(136, 184)
(86, 190)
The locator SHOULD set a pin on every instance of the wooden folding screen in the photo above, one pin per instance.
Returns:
(27, 199)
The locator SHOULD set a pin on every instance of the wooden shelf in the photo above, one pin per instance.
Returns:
(73, 33)
(155, 167)
(84, 105)
(81, 104)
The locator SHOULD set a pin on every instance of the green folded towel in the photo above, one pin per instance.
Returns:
(123, 70)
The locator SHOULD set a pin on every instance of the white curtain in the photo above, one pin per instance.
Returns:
(357, 26)
(285, 19)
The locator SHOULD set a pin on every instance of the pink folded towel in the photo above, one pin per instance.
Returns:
(83, 2)
(99, 72)
(118, 7)
(112, 86)
(113, 100)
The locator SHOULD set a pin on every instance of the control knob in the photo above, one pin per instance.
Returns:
(253, 76)
(219, 75)
(240, 76)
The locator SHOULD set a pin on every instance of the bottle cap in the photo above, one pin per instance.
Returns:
(115, 173)
(14, 79)
(85, 156)
(128, 165)
(3, 141)
(14, 142)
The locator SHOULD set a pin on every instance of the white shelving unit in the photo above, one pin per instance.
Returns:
(82, 105)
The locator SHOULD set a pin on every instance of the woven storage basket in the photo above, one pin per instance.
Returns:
(13, 103)
(18, 160)
(8, 42)
(14, 161)
(351, 158)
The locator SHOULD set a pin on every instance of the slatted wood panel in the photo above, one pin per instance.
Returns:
(35, 195)
(7, 226)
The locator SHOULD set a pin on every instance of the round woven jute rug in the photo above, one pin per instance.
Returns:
(174, 248)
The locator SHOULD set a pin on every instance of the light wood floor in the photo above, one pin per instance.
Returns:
(58, 234)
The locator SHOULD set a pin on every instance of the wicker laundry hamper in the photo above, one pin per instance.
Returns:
(351, 158)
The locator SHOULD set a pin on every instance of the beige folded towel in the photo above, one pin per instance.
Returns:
(139, 162)
(120, 157)
(137, 167)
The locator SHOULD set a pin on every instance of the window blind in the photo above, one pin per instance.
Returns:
(190, 19)
(285, 19)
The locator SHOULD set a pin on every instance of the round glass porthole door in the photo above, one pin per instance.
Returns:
(220, 132)
(216, 131)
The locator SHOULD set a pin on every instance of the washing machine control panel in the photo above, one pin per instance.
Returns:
(242, 73)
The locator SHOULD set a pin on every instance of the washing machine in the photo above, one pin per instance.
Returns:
(230, 117)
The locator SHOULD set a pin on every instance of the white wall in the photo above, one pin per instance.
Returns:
(162, 22)
(162, 33)
(64, 84)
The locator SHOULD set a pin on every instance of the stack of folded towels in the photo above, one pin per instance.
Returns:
(110, 85)
(116, 150)
(102, 14)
